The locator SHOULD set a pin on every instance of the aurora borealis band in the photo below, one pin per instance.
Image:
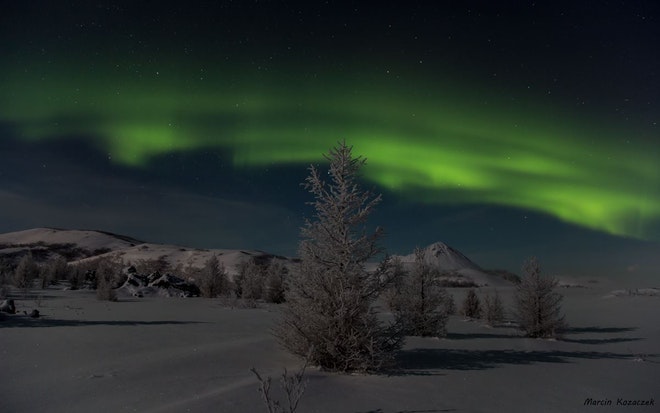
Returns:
(443, 118)
(444, 149)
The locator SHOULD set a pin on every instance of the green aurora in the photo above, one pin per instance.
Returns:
(430, 142)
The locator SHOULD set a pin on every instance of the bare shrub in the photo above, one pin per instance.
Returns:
(212, 280)
(493, 309)
(329, 312)
(293, 385)
(420, 306)
(107, 272)
(537, 305)
(471, 305)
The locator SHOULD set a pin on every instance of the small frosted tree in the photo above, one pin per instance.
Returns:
(397, 277)
(54, 271)
(252, 284)
(471, 305)
(6, 271)
(420, 305)
(493, 309)
(328, 316)
(537, 305)
(450, 305)
(276, 274)
(107, 272)
(76, 275)
(213, 278)
(26, 271)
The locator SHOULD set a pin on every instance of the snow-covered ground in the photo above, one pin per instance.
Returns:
(193, 355)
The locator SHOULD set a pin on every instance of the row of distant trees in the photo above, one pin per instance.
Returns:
(24, 274)
(417, 298)
(252, 281)
(102, 275)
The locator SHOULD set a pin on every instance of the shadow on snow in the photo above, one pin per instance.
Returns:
(470, 336)
(411, 411)
(600, 340)
(426, 361)
(592, 329)
(24, 321)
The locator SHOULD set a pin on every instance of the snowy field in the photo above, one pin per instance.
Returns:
(194, 355)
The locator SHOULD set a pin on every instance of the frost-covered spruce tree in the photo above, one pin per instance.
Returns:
(421, 304)
(328, 316)
(537, 305)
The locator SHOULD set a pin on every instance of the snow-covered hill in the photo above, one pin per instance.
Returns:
(81, 245)
(85, 239)
(455, 265)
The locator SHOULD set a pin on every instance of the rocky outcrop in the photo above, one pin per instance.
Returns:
(156, 284)
(7, 306)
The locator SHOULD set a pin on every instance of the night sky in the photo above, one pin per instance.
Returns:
(505, 129)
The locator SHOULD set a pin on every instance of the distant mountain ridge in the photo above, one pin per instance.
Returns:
(80, 245)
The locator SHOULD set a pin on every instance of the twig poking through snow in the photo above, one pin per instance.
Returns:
(293, 385)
